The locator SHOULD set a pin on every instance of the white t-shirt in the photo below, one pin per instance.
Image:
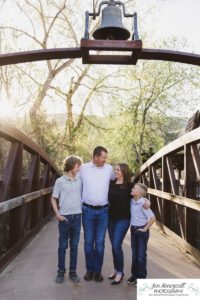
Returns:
(96, 182)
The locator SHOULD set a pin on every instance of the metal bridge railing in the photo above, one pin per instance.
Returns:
(26, 178)
(173, 179)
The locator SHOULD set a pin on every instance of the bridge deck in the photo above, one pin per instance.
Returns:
(31, 275)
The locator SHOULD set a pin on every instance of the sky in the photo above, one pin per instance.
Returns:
(179, 18)
(165, 19)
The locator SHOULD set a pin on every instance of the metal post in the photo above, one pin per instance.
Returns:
(86, 35)
(135, 36)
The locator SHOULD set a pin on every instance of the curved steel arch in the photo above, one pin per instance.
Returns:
(169, 55)
(39, 55)
(72, 53)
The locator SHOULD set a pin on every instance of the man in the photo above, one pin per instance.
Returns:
(96, 176)
(67, 191)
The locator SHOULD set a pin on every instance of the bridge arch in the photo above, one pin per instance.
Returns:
(66, 53)
(173, 198)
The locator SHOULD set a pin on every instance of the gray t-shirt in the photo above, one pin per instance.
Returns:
(68, 191)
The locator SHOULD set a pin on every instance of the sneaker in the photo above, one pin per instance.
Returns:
(88, 276)
(135, 284)
(74, 277)
(60, 277)
(132, 281)
(98, 277)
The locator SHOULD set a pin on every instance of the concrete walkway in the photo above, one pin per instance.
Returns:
(31, 275)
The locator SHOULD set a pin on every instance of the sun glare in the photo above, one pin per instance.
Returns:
(6, 109)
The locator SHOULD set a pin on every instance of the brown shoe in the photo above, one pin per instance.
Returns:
(98, 277)
(88, 276)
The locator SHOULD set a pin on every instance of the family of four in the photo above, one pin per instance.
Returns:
(103, 199)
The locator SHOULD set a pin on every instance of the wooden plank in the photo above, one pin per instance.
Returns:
(18, 201)
(187, 202)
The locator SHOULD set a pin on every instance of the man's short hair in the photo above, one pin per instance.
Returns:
(70, 162)
(98, 150)
(143, 187)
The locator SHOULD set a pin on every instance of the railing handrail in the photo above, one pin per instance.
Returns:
(24, 201)
(176, 204)
(13, 134)
(183, 201)
(18, 201)
(192, 136)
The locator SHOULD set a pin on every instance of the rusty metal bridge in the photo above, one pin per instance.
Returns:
(28, 175)
(173, 179)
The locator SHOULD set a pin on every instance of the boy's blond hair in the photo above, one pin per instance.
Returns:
(143, 187)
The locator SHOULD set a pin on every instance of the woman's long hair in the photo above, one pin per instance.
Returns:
(126, 173)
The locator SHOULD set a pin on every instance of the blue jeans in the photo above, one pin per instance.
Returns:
(117, 231)
(95, 222)
(69, 231)
(139, 241)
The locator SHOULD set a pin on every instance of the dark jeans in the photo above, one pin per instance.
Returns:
(139, 241)
(69, 232)
(95, 222)
(117, 231)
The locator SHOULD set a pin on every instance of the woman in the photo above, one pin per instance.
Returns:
(119, 196)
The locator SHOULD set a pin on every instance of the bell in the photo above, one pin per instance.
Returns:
(111, 27)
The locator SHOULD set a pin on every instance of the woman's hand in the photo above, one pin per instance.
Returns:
(147, 203)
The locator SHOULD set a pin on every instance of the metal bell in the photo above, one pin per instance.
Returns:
(111, 27)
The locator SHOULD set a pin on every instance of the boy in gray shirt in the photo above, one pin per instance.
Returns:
(141, 220)
(67, 192)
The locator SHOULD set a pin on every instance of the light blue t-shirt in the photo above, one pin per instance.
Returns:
(68, 192)
(139, 215)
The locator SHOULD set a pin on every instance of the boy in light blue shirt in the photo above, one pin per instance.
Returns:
(141, 221)
(67, 192)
